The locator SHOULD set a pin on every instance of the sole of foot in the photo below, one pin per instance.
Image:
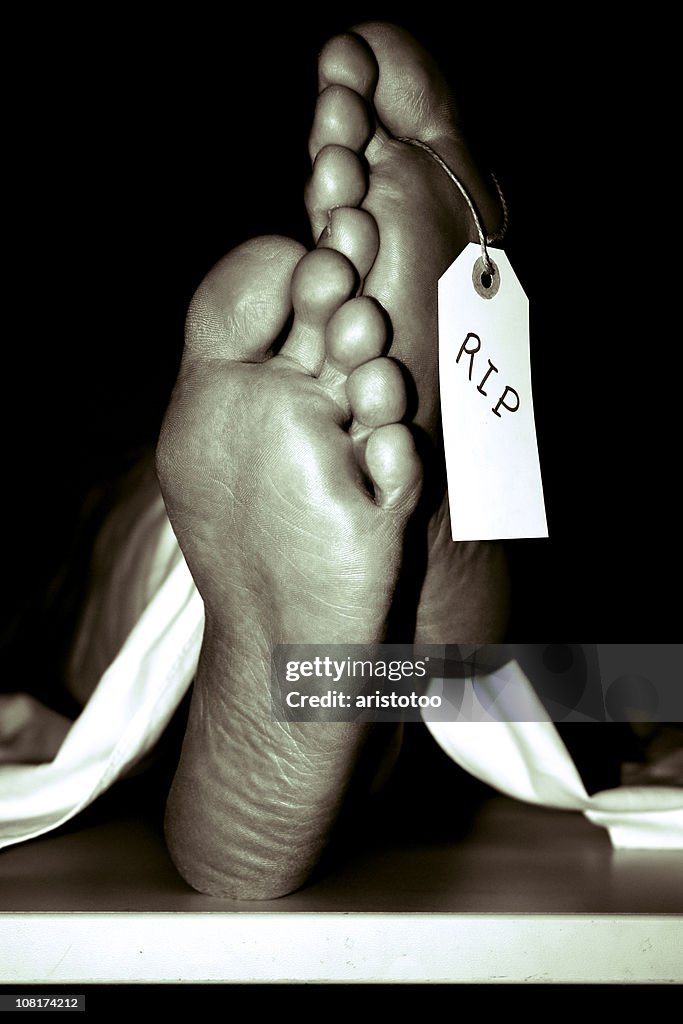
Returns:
(286, 471)
(290, 481)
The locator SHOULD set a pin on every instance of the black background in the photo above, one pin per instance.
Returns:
(140, 151)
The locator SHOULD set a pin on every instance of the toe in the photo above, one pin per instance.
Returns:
(394, 467)
(242, 305)
(411, 98)
(357, 333)
(348, 60)
(339, 179)
(376, 393)
(323, 280)
(354, 233)
(341, 118)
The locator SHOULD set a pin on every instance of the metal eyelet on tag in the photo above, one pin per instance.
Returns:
(486, 280)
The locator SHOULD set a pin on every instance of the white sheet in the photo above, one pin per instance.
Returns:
(529, 761)
(138, 694)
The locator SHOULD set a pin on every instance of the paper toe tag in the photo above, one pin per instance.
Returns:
(494, 476)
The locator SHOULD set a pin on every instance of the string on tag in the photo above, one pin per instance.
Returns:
(484, 239)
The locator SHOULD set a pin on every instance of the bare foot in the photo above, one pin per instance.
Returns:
(289, 481)
(290, 535)
(377, 87)
(30, 732)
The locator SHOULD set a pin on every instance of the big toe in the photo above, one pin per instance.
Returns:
(411, 97)
(241, 307)
(413, 102)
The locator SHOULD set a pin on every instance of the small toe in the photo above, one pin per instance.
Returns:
(323, 280)
(342, 118)
(348, 60)
(376, 393)
(394, 467)
(356, 333)
(338, 179)
(354, 233)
